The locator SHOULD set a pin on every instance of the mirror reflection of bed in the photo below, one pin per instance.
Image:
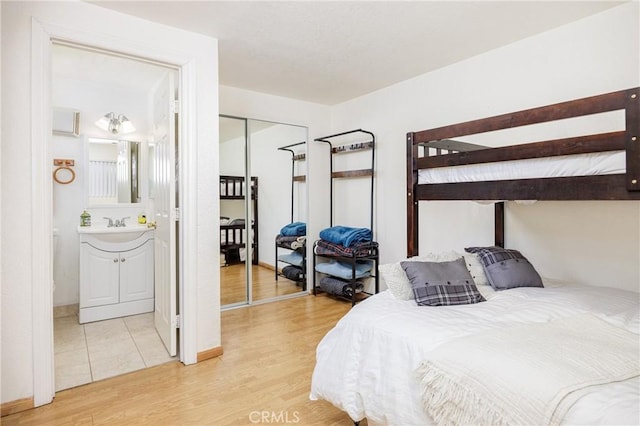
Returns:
(252, 215)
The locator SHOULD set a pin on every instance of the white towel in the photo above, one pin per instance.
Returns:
(530, 374)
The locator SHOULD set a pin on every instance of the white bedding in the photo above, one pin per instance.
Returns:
(234, 187)
(235, 235)
(596, 163)
(367, 364)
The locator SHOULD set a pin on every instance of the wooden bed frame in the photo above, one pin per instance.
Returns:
(601, 187)
(233, 241)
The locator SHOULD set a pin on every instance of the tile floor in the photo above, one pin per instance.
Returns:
(88, 352)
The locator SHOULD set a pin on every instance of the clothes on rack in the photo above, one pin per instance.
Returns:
(294, 229)
(361, 249)
(346, 236)
(293, 258)
(291, 242)
(299, 242)
(284, 241)
(294, 273)
(340, 287)
(344, 270)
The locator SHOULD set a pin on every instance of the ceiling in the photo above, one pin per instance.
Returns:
(331, 51)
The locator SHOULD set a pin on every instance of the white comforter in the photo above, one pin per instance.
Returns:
(367, 364)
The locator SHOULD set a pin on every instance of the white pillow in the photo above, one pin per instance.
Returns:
(476, 269)
(396, 279)
(486, 291)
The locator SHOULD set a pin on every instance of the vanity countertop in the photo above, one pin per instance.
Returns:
(115, 238)
(102, 229)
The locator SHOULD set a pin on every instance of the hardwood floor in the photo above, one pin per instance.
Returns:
(233, 287)
(263, 377)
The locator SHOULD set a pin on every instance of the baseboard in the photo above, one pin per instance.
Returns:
(209, 353)
(65, 310)
(16, 406)
(266, 265)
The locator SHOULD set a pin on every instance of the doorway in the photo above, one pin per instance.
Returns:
(94, 84)
(192, 55)
(262, 190)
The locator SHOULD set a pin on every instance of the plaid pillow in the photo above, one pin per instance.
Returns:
(442, 283)
(506, 268)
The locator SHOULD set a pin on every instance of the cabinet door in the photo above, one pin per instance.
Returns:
(99, 276)
(136, 273)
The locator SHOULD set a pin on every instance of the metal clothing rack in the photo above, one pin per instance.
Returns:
(372, 253)
(294, 157)
(294, 178)
(369, 143)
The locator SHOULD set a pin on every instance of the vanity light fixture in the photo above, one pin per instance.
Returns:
(115, 123)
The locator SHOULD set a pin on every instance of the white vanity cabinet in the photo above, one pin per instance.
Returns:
(116, 274)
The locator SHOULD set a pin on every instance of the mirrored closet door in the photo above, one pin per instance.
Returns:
(263, 212)
(233, 215)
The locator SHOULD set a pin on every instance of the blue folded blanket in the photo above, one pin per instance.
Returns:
(294, 229)
(343, 269)
(346, 236)
(293, 258)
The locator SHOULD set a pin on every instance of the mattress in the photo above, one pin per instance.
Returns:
(595, 163)
(234, 187)
(366, 365)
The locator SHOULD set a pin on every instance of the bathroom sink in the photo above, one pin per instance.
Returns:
(101, 229)
(113, 234)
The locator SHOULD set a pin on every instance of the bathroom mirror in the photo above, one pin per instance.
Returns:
(113, 172)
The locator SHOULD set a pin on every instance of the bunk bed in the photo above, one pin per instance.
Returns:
(233, 231)
(450, 153)
(292, 238)
(490, 360)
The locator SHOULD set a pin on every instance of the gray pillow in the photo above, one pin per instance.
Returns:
(442, 283)
(506, 268)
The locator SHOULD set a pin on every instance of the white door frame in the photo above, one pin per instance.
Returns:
(42, 34)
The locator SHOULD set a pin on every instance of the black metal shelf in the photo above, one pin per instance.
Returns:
(303, 251)
(368, 144)
(294, 157)
(352, 260)
(345, 149)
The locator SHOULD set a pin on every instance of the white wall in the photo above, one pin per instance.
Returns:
(199, 53)
(594, 242)
(232, 156)
(231, 161)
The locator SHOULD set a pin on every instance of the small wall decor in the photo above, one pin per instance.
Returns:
(65, 122)
(63, 166)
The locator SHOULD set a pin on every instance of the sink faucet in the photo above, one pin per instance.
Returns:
(110, 224)
(121, 222)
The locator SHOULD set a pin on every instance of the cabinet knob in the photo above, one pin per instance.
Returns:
(123, 259)
(115, 260)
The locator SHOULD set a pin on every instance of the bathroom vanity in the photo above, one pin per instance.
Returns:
(116, 272)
